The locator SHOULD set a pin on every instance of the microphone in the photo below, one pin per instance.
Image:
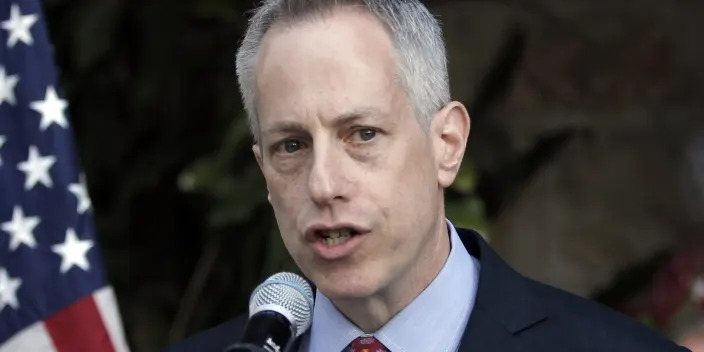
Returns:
(280, 309)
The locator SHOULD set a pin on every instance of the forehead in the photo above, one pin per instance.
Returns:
(324, 66)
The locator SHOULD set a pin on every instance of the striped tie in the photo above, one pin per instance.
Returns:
(366, 344)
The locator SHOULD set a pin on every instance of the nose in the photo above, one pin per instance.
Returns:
(327, 181)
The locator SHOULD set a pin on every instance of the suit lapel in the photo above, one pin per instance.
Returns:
(504, 307)
(484, 334)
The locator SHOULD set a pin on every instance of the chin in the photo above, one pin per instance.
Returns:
(339, 286)
(346, 291)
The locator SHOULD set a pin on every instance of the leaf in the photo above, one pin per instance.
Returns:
(468, 212)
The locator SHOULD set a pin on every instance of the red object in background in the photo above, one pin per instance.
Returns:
(680, 280)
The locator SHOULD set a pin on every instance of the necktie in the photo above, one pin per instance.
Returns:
(366, 344)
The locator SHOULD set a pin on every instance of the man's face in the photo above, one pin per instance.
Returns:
(352, 176)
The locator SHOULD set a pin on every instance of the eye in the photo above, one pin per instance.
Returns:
(289, 146)
(365, 134)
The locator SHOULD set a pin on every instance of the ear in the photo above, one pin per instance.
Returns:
(450, 129)
(258, 155)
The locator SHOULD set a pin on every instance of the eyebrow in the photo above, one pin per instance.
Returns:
(284, 127)
(357, 113)
(341, 119)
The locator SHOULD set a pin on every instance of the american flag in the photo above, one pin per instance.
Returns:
(54, 295)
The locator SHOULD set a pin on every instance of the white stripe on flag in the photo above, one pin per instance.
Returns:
(107, 305)
(34, 338)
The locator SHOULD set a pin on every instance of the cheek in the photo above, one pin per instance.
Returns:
(284, 200)
(411, 174)
(412, 192)
(287, 194)
(286, 214)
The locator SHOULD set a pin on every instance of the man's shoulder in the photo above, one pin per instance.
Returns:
(215, 339)
(545, 318)
(589, 325)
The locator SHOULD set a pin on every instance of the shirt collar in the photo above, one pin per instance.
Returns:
(434, 321)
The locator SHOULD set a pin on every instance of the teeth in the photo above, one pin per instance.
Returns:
(337, 233)
(336, 241)
(336, 237)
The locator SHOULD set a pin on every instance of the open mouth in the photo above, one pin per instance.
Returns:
(336, 237)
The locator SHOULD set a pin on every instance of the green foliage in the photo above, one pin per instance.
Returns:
(466, 209)
(236, 191)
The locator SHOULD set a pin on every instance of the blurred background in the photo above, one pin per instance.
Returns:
(585, 167)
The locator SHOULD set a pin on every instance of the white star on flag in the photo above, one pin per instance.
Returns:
(73, 252)
(36, 168)
(81, 192)
(19, 26)
(21, 229)
(51, 108)
(2, 142)
(8, 290)
(7, 87)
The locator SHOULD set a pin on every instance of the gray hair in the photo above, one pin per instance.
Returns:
(416, 34)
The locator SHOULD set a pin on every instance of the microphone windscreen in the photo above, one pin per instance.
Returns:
(288, 294)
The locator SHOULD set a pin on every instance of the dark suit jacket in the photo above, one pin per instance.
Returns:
(512, 313)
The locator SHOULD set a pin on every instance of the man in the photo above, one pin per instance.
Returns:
(357, 138)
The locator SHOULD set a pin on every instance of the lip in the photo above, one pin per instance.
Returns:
(339, 251)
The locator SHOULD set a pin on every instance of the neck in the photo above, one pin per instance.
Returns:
(373, 312)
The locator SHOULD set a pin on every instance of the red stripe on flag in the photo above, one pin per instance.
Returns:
(79, 327)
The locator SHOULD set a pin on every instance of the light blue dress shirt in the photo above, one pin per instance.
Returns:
(434, 321)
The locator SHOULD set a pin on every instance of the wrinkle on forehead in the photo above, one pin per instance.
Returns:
(347, 57)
